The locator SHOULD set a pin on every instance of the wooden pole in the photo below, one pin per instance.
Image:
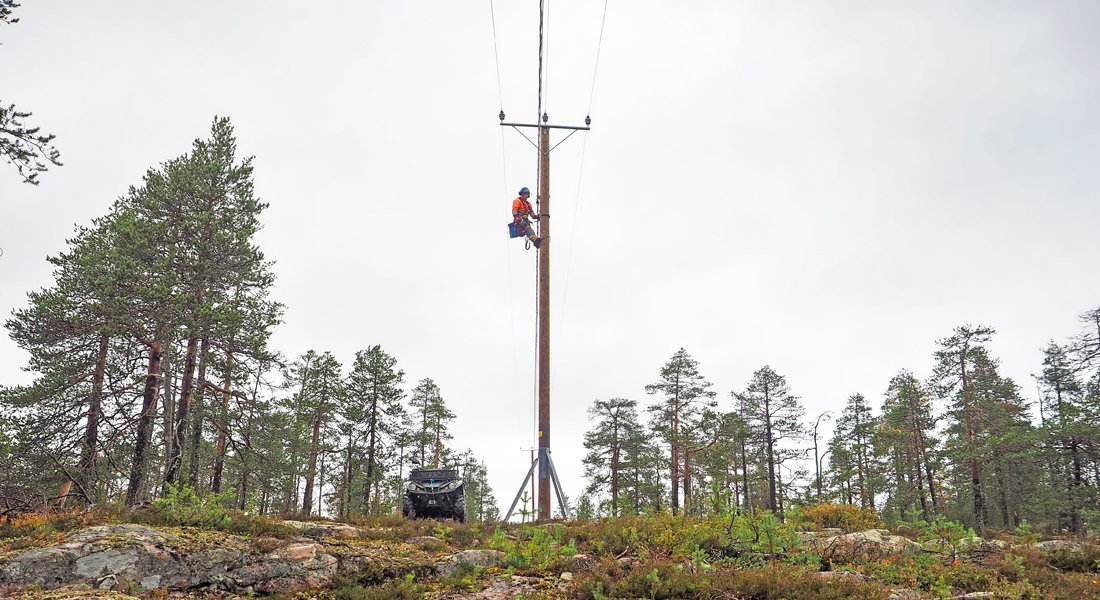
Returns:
(544, 325)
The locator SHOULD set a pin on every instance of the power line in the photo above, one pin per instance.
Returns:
(599, 46)
(541, 15)
(496, 55)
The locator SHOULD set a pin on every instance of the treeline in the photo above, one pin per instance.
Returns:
(150, 351)
(963, 443)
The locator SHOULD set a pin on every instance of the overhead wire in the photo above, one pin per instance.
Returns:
(580, 169)
(504, 184)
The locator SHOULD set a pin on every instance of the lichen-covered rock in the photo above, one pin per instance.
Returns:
(507, 588)
(905, 594)
(320, 530)
(872, 544)
(1063, 545)
(581, 562)
(479, 558)
(124, 556)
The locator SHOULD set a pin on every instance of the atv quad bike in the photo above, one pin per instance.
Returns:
(434, 493)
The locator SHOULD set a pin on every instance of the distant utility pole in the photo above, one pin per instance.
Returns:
(546, 466)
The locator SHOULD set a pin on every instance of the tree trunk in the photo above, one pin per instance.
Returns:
(172, 472)
(145, 424)
(615, 476)
(311, 470)
(91, 430)
(674, 462)
(745, 474)
(770, 444)
(372, 441)
(223, 428)
(1002, 495)
(168, 367)
(971, 438)
(1074, 499)
(197, 416)
(687, 479)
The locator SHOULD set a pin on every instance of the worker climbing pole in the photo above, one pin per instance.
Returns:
(521, 219)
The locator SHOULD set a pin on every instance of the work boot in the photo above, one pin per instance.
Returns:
(536, 242)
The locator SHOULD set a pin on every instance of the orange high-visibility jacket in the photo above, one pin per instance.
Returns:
(521, 207)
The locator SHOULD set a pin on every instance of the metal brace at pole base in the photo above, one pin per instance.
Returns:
(522, 488)
(543, 465)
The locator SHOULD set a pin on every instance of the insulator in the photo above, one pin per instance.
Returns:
(501, 115)
(545, 118)
(587, 120)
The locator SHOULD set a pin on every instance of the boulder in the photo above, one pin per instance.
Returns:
(319, 530)
(453, 564)
(870, 544)
(126, 555)
(1056, 545)
(506, 588)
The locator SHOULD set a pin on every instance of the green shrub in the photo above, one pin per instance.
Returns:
(663, 579)
(183, 507)
(1087, 560)
(405, 588)
(848, 517)
(533, 547)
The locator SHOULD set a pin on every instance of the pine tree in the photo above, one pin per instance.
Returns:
(989, 436)
(481, 504)
(907, 438)
(374, 383)
(686, 394)
(853, 432)
(773, 415)
(613, 422)
(20, 145)
(432, 415)
(319, 393)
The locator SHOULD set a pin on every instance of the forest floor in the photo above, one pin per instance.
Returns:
(158, 553)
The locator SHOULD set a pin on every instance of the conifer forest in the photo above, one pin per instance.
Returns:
(825, 316)
(153, 370)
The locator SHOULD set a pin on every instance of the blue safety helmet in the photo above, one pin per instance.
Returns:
(523, 191)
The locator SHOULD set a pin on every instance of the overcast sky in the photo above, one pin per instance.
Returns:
(824, 187)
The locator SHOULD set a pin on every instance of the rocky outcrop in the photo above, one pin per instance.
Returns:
(1050, 546)
(870, 544)
(478, 558)
(319, 530)
(128, 557)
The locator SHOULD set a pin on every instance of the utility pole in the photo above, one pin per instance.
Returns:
(544, 324)
(547, 474)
